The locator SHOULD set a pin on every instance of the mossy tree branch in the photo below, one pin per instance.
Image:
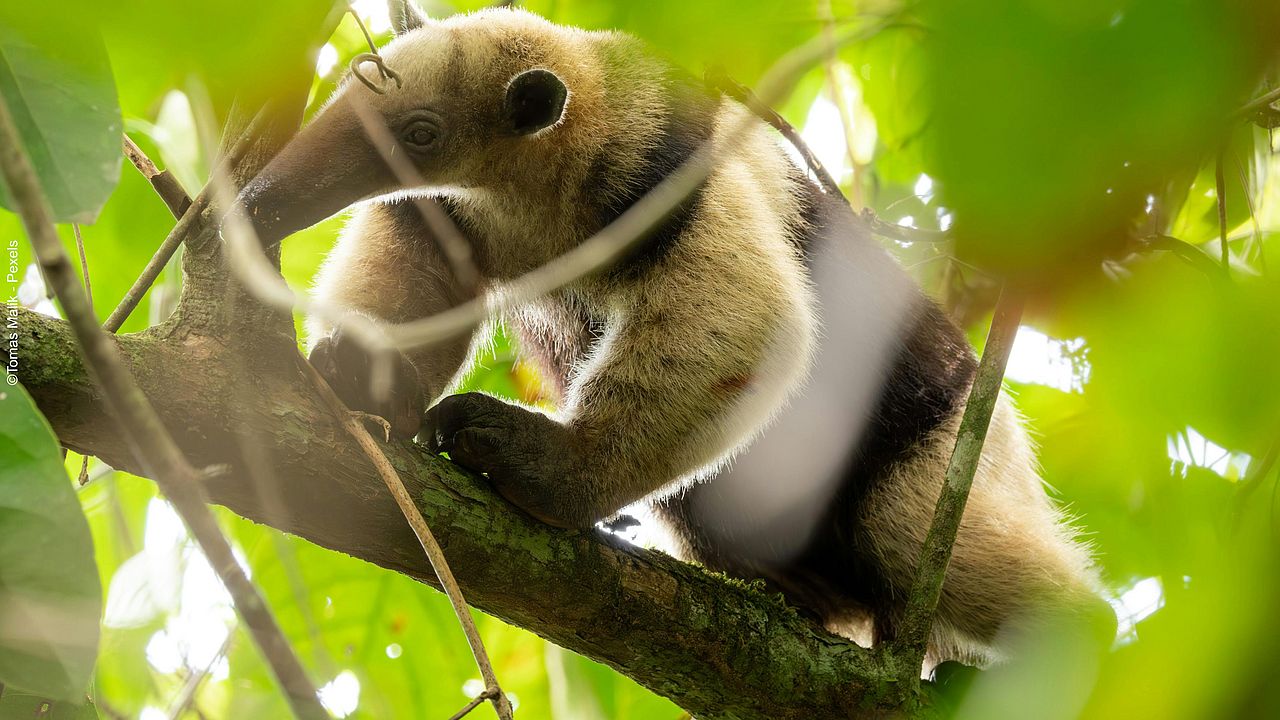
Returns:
(718, 648)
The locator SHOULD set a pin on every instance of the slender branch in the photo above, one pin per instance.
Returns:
(82, 478)
(165, 184)
(156, 265)
(1260, 103)
(1188, 253)
(84, 263)
(719, 79)
(186, 221)
(187, 695)
(148, 437)
(588, 591)
(350, 423)
(908, 648)
(475, 703)
(901, 232)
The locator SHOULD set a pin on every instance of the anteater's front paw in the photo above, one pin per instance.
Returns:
(349, 369)
(526, 455)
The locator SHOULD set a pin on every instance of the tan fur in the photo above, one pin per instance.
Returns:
(1014, 558)
(388, 269)
(696, 358)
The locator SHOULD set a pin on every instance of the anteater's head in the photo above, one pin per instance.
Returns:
(481, 101)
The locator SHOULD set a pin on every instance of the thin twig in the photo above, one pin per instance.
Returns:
(194, 209)
(146, 433)
(1260, 103)
(83, 478)
(908, 648)
(475, 703)
(156, 265)
(1221, 184)
(187, 694)
(1188, 253)
(84, 263)
(351, 422)
(901, 232)
(371, 56)
(363, 30)
(719, 79)
(450, 240)
(165, 184)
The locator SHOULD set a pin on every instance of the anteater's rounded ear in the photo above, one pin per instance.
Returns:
(535, 100)
(407, 16)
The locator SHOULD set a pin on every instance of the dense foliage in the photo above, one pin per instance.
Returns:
(1071, 145)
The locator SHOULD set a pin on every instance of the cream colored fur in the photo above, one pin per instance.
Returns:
(696, 358)
(1014, 560)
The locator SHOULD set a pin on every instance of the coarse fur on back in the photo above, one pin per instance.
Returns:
(760, 305)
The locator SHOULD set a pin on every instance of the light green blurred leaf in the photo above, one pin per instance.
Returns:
(50, 598)
(18, 705)
(743, 36)
(56, 81)
(398, 637)
(585, 690)
(1052, 125)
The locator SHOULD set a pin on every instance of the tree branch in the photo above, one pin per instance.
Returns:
(163, 181)
(174, 197)
(717, 647)
(718, 79)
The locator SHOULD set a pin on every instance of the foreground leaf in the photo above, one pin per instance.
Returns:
(50, 595)
(15, 705)
(56, 81)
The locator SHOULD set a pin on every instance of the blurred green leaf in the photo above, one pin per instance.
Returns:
(1053, 122)
(50, 598)
(18, 705)
(743, 36)
(399, 638)
(58, 87)
(586, 690)
(213, 49)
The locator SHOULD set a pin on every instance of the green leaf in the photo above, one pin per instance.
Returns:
(1052, 127)
(585, 690)
(50, 595)
(745, 37)
(17, 705)
(56, 81)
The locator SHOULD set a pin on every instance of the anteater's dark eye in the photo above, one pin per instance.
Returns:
(420, 135)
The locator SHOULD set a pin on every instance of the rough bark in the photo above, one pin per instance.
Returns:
(717, 647)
